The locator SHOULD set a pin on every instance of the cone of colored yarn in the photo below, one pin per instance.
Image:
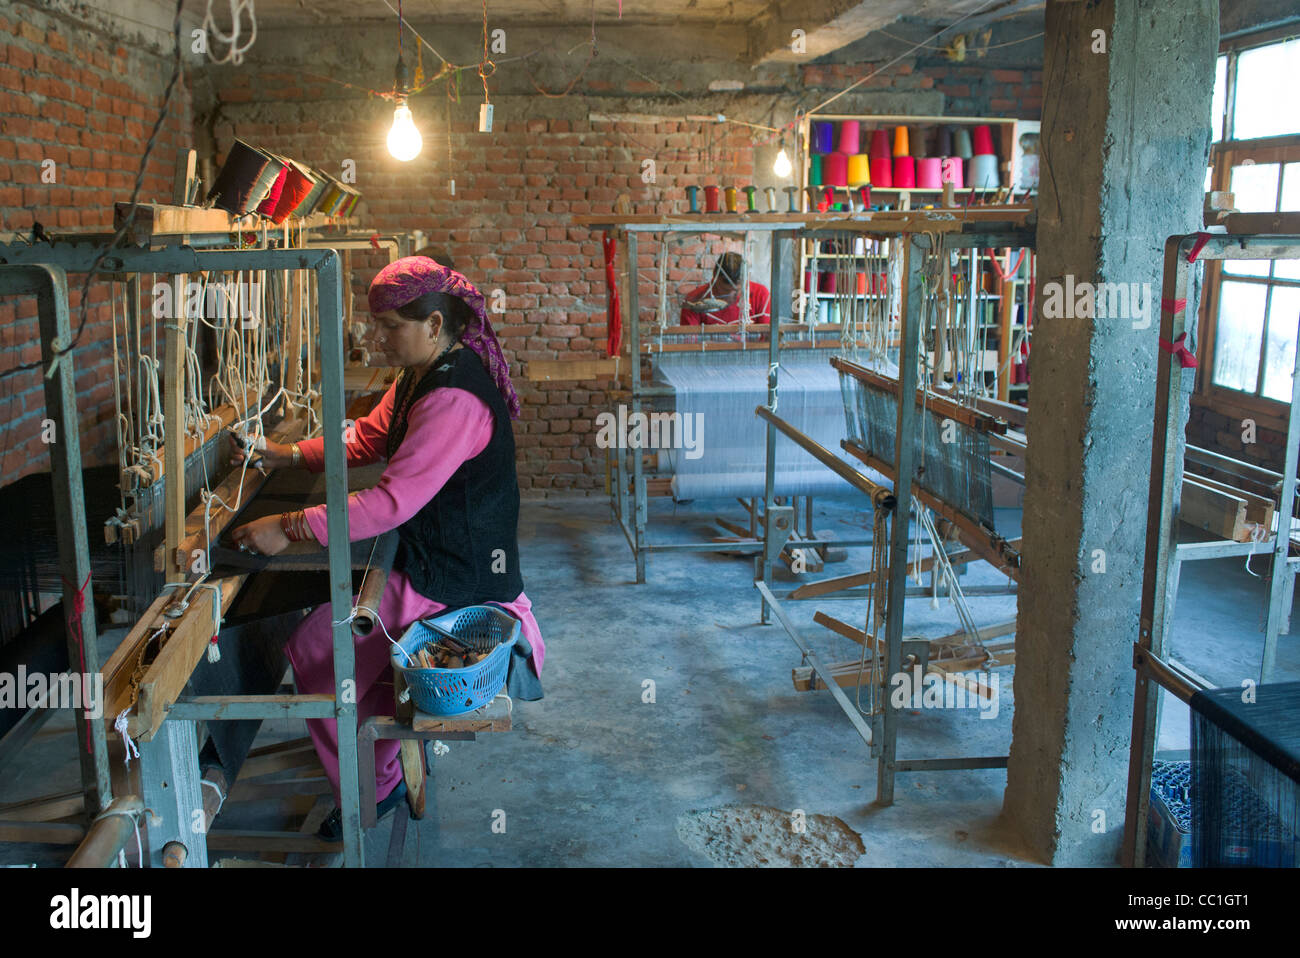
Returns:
(900, 141)
(880, 144)
(982, 172)
(861, 284)
(981, 140)
(835, 169)
(826, 282)
(950, 171)
(850, 137)
(298, 183)
(943, 141)
(239, 175)
(882, 172)
(815, 170)
(919, 147)
(265, 181)
(314, 195)
(859, 170)
(272, 198)
(904, 172)
(927, 173)
(823, 136)
(961, 145)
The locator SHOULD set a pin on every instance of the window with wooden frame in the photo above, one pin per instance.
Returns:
(1251, 308)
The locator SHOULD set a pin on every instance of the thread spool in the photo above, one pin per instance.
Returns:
(234, 184)
(961, 145)
(807, 281)
(859, 170)
(850, 136)
(268, 204)
(815, 169)
(920, 148)
(264, 182)
(900, 141)
(314, 196)
(928, 173)
(693, 197)
(904, 172)
(298, 183)
(826, 282)
(880, 144)
(749, 199)
(860, 282)
(823, 136)
(943, 141)
(950, 171)
(882, 172)
(835, 169)
(981, 140)
(771, 199)
(711, 200)
(982, 172)
(729, 197)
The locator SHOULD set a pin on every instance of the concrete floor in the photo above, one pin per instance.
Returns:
(592, 775)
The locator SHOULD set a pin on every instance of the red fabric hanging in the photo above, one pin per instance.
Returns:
(613, 320)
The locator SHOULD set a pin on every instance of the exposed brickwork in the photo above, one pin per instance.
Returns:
(88, 103)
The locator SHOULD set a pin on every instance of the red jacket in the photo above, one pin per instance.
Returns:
(760, 308)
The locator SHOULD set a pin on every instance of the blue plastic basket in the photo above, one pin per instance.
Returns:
(484, 628)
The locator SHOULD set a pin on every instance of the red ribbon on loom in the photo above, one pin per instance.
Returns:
(1174, 306)
(74, 629)
(374, 240)
(1180, 351)
(1195, 251)
(613, 319)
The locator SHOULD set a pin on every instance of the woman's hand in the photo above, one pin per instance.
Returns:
(273, 455)
(262, 536)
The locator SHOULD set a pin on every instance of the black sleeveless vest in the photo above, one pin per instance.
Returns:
(462, 547)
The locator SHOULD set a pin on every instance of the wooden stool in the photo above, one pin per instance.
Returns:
(413, 728)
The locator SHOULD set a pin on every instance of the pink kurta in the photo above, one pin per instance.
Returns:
(445, 428)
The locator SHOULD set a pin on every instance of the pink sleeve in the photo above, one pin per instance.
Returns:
(366, 444)
(446, 427)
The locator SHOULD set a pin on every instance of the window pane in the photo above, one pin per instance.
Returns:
(1240, 334)
(1262, 106)
(1254, 187)
(1283, 315)
(1254, 190)
(1289, 268)
(1220, 91)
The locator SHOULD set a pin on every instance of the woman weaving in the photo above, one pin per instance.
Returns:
(449, 489)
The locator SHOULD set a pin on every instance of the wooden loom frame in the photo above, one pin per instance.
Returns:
(992, 227)
(1248, 236)
(743, 541)
(168, 747)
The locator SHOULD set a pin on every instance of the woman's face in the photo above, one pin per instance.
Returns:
(400, 341)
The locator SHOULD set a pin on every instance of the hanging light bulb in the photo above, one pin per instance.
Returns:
(782, 167)
(404, 140)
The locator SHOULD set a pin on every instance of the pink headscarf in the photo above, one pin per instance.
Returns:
(409, 278)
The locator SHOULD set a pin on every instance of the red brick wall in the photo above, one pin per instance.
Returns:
(510, 226)
(88, 103)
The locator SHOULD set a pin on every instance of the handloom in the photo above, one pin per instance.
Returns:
(944, 463)
(1237, 750)
(692, 364)
(167, 772)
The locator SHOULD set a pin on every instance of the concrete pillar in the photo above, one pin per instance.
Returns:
(1125, 142)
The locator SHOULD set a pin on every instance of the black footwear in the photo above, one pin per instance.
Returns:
(331, 830)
